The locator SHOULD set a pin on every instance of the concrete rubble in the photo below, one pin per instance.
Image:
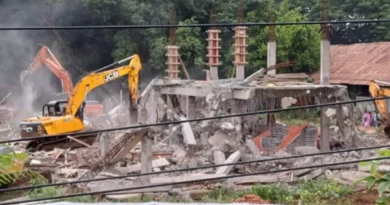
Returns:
(215, 142)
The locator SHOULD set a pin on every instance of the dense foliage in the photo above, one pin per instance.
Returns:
(84, 50)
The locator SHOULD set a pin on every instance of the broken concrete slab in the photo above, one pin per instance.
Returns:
(288, 102)
(219, 138)
(312, 175)
(126, 197)
(252, 147)
(184, 178)
(380, 168)
(178, 156)
(303, 150)
(227, 126)
(330, 112)
(256, 179)
(144, 190)
(353, 176)
(137, 167)
(242, 93)
(219, 157)
(233, 158)
(130, 144)
(188, 134)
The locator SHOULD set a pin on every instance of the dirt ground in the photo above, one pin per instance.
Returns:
(364, 197)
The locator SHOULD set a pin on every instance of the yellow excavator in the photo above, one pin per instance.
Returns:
(381, 89)
(66, 116)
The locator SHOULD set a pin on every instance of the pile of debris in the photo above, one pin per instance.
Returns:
(212, 142)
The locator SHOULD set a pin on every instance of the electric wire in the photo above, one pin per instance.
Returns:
(9, 28)
(196, 181)
(86, 133)
(194, 168)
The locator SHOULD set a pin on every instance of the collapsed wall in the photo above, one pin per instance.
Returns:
(174, 100)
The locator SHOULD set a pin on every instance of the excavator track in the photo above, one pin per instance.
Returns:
(60, 142)
(386, 129)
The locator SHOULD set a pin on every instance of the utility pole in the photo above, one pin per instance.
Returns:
(324, 75)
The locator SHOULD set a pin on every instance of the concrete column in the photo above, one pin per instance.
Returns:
(173, 62)
(133, 115)
(325, 68)
(240, 44)
(146, 158)
(213, 52)
(191, 108)
(104, 144)
(325, 62)
(271, 57)
(240, 72)
(214, 73)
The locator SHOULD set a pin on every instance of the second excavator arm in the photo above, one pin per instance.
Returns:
(381, 105)
(103, 76)
(46, 57)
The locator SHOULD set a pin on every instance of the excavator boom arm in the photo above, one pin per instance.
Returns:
(98, 78)
(46, 57)
(381, 105)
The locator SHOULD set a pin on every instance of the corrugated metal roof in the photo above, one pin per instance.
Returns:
(357, 64)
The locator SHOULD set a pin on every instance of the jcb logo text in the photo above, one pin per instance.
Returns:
(111, 76)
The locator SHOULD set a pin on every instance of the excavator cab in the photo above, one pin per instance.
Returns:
(381, 89)
(54, 108)
(57, 121)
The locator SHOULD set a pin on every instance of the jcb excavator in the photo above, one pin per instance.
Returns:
(46, 57)
(381, 89)
(63, 117)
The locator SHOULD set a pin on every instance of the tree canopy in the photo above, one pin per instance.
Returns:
(81, 51)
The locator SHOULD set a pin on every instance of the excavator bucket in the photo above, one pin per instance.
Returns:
(386, 129)
(23, 76)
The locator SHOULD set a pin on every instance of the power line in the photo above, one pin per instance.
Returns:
(83, 134)
(264, 24)
(195, 181)
(191, 169)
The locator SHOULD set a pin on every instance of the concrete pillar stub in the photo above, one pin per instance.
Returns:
(173, 62)
(146, 158)
(213, 52)
(240, 44)
(271, 57)
(324, 76)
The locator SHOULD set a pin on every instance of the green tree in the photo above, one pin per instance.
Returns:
(192, 46)
(300, 44)
(355, 10)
